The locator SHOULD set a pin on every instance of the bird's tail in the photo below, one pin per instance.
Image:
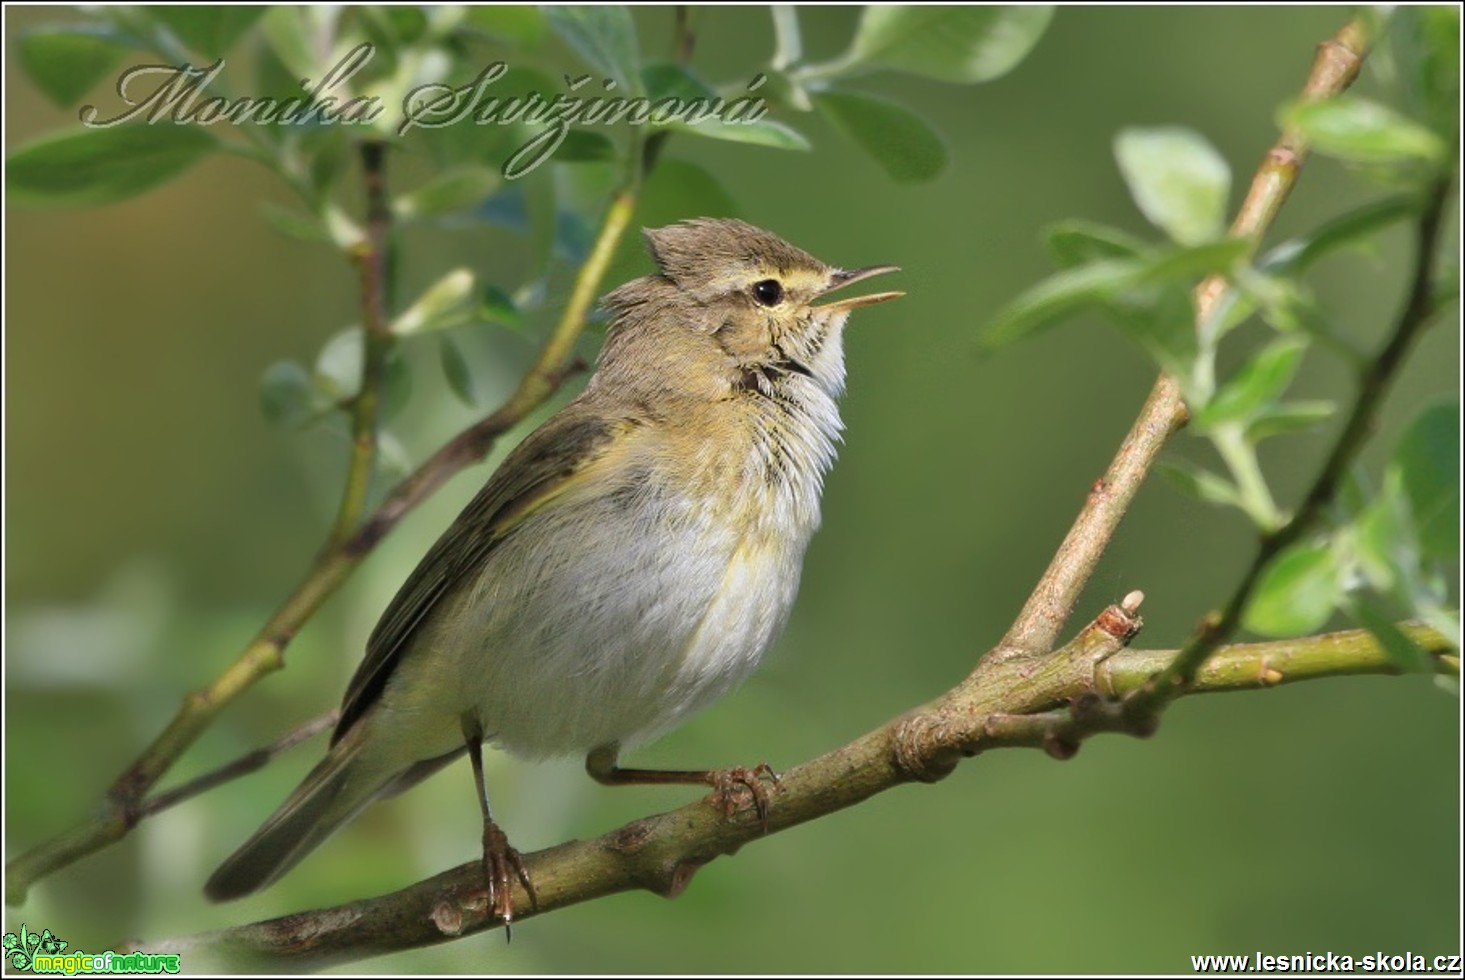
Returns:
(334, 792)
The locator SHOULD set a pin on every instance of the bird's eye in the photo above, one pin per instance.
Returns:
(768, 292)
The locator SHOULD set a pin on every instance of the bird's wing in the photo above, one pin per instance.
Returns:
(537, 471)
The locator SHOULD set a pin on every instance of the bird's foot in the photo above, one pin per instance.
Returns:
(501, 865)
(728, 786)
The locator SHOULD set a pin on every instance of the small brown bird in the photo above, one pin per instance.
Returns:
(629, 562)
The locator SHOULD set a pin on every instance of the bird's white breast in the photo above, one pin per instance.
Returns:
(612, 616)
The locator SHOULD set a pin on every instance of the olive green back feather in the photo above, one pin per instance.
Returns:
(534, 473)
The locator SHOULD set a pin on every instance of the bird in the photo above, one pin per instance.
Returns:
(629, 563)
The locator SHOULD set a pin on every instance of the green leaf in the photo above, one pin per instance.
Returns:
(666, 80)
(949, 43)
(1283, 302)
(522, 26)
(678, 188)
(396, 384)
(339, 366)
(1362, 131)
(1141, 293)
(210, 30)
(1351, 229)
(1201, 484)
(1408, 655)
(392, 460)
(692, 111)
(541, 211)
(454, 190)
(272, 79)
(286, 396)
(1443, 618)
(456, 371)
(1160, 320)
(900, 141)
(1259, 382)
(1383, 540)
(1355, 493)
(66, 61)
(289, 37)
(604, 36)
(380, 33)
(1073, 243)
(441, 305)
(783, 90)
(1058, 296)
(1297, 593)
(409, 23)
(1426, 43)
(328, 161)
(339, 363)
(1276, 420)
(1177, 179)
(345, 232)
(1427, 462)
(573, 236)
(99, 166)
(391, 29)
(296, 224)
(1184, 266)
(585, 146)
(760, 132)
(497, 306)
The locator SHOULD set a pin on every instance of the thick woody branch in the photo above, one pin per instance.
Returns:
(1054, 709)
(1232, 668)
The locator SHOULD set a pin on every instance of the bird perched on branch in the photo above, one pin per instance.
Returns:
(629, 562)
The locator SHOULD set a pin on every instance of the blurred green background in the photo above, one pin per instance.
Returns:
(153, 519)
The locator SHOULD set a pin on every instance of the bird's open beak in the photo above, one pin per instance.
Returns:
(844, 277)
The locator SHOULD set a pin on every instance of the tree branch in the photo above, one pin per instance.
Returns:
(242, 766)
(371, 257)
(661, 853)
(1249, 666)
(1051, 602)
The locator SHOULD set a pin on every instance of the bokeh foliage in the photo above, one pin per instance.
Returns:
(153, 519)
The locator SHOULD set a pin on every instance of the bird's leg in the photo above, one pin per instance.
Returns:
(601, 764)
(501, 863)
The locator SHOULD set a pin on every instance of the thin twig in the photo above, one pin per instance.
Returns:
(1041, 620)
(1250, 666)
(242, 766)
(684, 39)
(683, 43)
(371, 257)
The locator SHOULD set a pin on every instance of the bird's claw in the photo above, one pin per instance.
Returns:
(501, 865)
(727, 784)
